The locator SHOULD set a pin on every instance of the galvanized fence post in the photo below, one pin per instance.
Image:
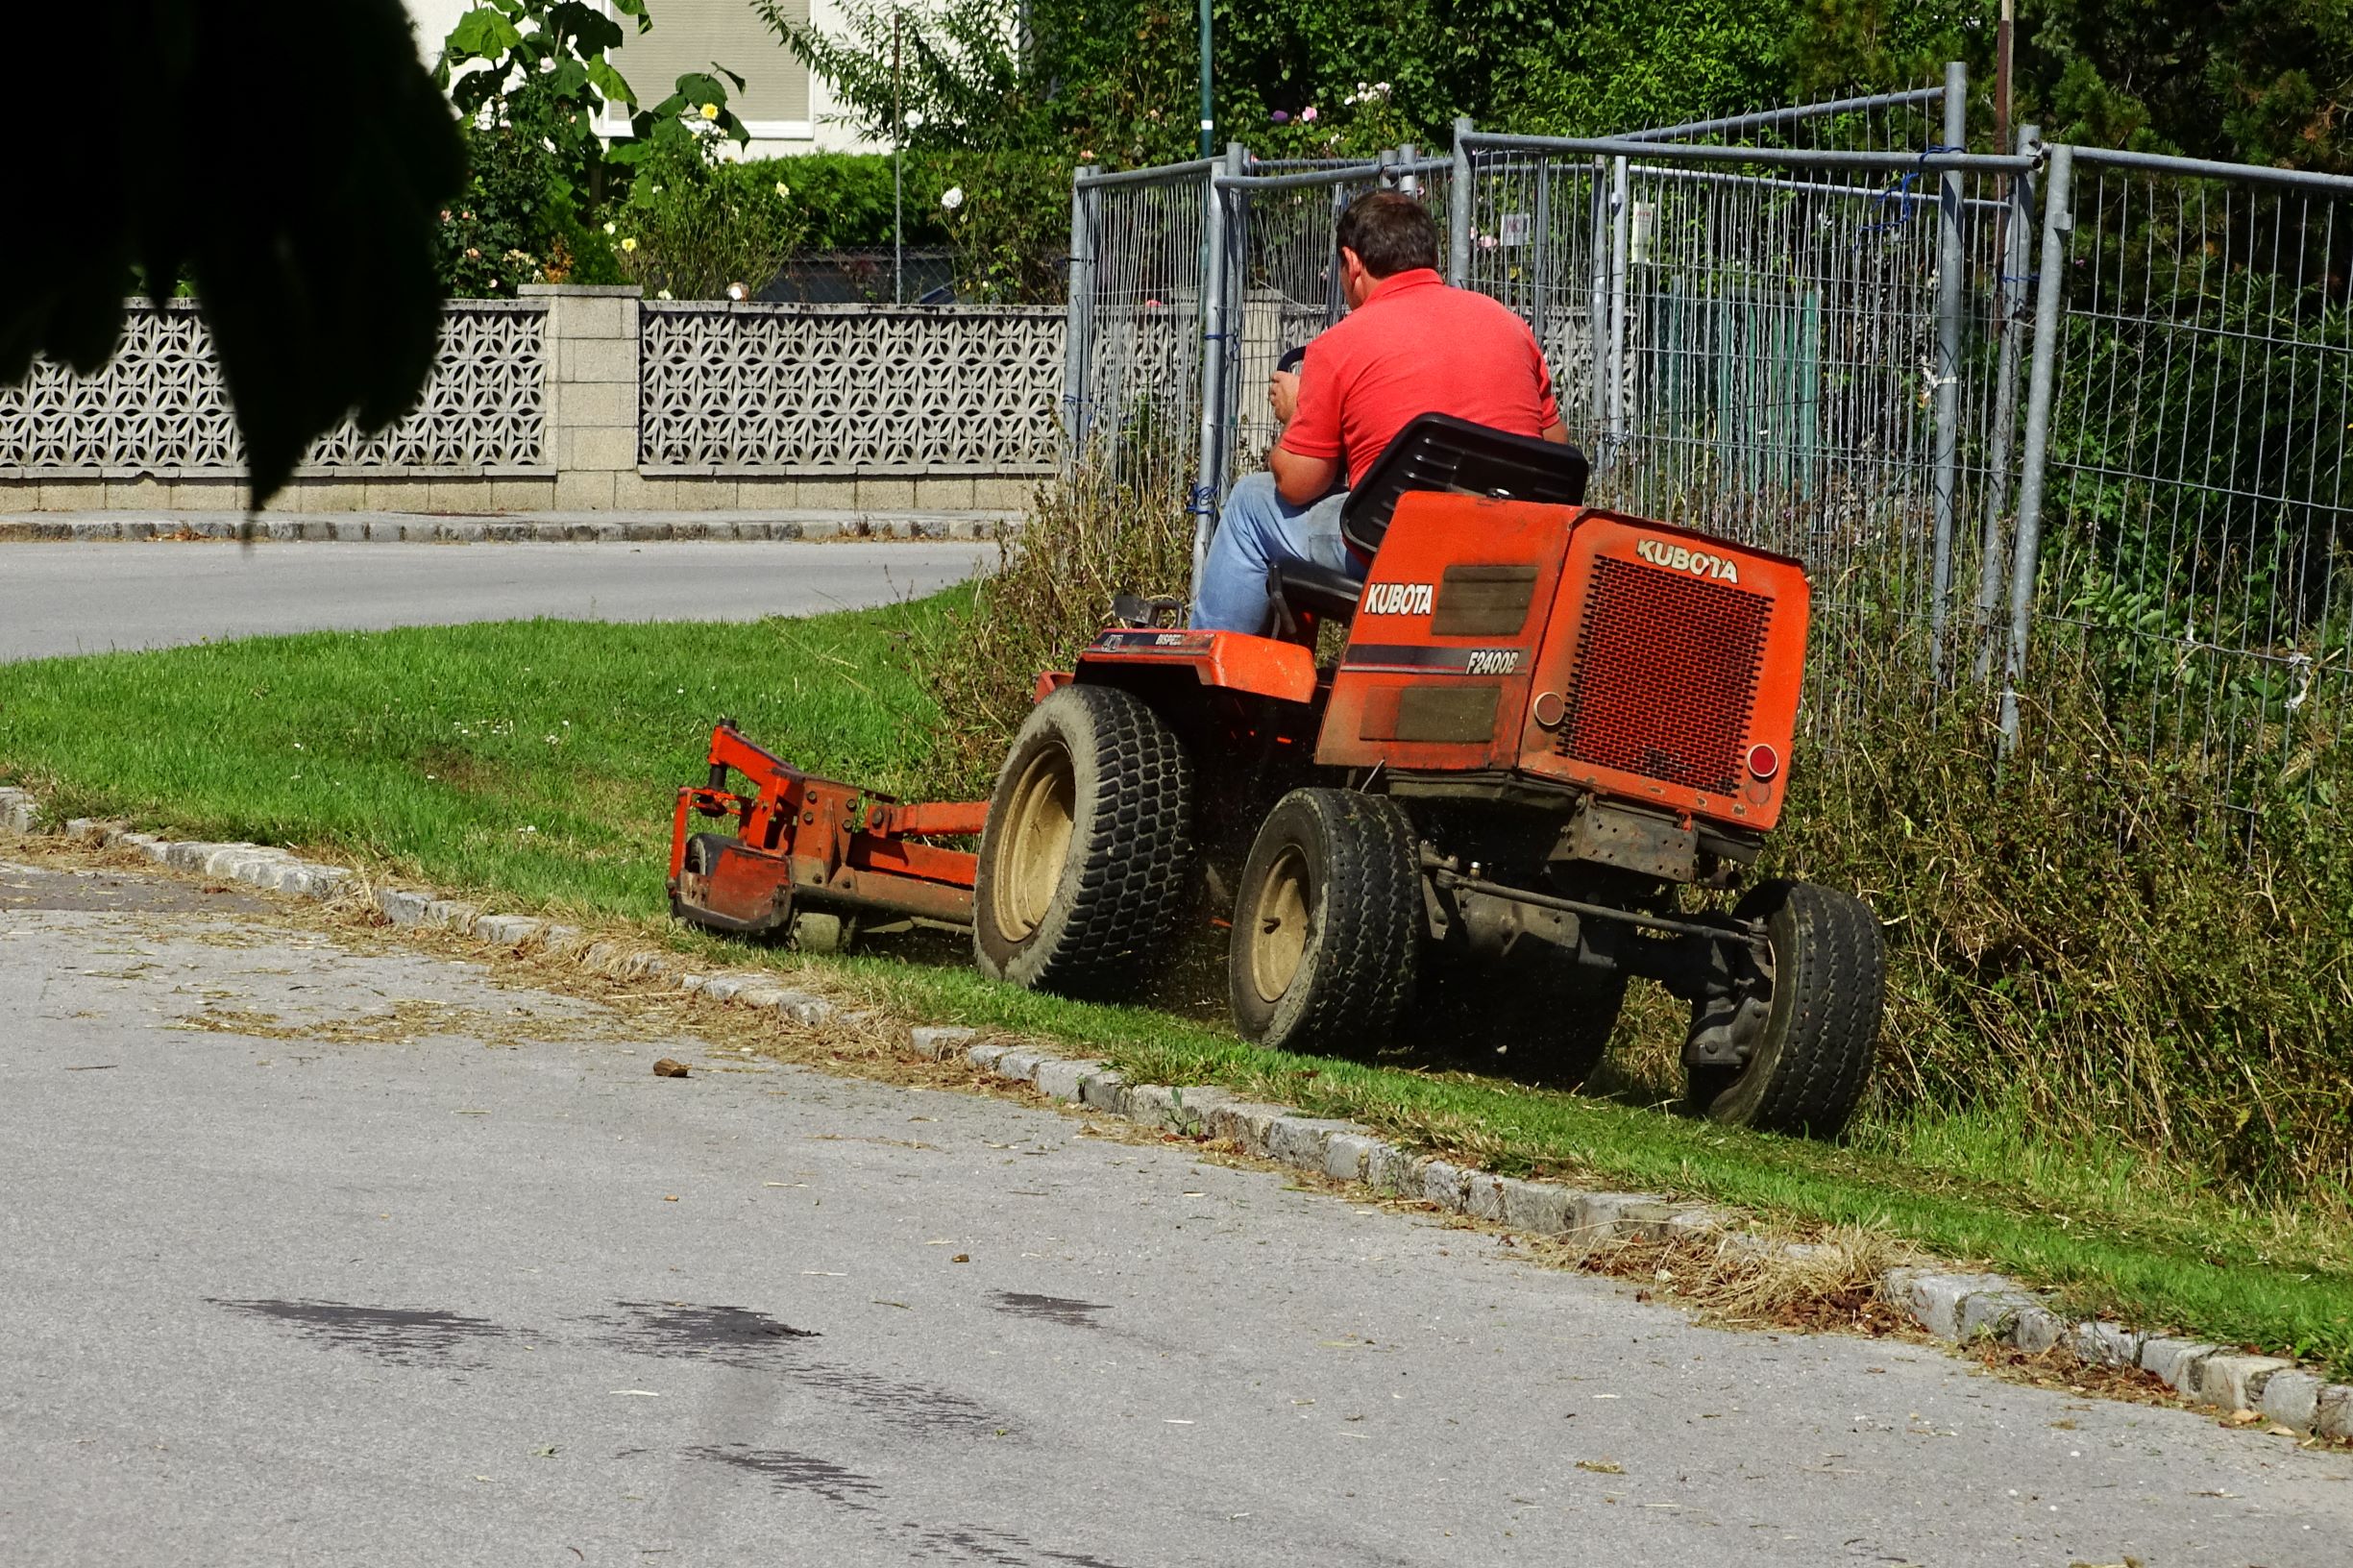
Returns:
(1621, 214)
(1238, 315)
(1948, 371)
(1597, 304)
(2050, 308)
(2017, 240)
(1458, 210)
(1208, 475)
(1078, 320)
(1542, 263)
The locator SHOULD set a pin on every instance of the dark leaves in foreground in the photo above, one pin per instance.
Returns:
(287, 159)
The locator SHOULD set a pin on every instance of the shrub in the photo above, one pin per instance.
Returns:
(508, 227)
(1051, 592)
(845, 200)
(1007, 215)
(693, 225)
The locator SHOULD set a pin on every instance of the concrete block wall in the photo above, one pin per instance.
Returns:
(592, 342)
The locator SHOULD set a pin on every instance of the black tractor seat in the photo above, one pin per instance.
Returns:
(1435, 451)
(1301, 589)
(1438, 451)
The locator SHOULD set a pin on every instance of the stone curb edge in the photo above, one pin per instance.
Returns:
(415, 529)
(1960, 1308)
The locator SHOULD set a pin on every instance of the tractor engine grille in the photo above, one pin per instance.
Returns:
(1667, 666)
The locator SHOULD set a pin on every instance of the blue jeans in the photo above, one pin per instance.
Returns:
(1257, 530)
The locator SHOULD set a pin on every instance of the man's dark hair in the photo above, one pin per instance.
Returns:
(1391, 233)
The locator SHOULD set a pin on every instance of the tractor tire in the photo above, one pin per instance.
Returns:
(1546, 1022)
(1083, 862)
(1327, 924)
(1809, 1066)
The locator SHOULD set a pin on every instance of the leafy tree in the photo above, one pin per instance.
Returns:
(532, 77)
(540, 67)
(305, 223)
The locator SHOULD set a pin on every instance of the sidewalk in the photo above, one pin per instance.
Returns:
(512, 527)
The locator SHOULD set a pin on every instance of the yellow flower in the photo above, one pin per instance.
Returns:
(710, 112)
(608, 227)
(629, 244)
(783, 189)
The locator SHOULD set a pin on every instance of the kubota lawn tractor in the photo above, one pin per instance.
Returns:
(1546, 721)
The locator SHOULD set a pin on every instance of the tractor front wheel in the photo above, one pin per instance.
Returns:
(1082, 865)
(1807, 1069)
(1326, 924)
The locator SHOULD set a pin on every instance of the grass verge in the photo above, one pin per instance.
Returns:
(536, 761)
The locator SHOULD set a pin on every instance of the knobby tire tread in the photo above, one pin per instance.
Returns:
(1357, 974)
(1365, 972)
(1835, 971)
(1130, 867)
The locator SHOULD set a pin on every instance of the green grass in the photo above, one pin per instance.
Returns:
(536, 758)
(536, 761)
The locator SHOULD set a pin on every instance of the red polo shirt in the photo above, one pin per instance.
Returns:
(1417, 347)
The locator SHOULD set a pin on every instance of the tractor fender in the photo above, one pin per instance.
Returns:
(1228, 661)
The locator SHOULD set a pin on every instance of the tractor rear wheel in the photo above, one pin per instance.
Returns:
(1808, 1066)
(1083, 861)
(1326, 924)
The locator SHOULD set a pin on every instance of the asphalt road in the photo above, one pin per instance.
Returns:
(345, 1255)
(87, 599)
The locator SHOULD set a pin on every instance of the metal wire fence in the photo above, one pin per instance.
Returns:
(1133, 375)
(2035, 419)
(1760, 327)
(2194, 495)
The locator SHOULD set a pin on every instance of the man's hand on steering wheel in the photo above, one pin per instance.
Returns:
(1283, 395)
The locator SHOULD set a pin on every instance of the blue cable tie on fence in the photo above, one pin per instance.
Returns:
(1903, 195)
(1202, 496)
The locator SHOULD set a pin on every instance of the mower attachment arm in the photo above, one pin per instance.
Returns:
(811, 840)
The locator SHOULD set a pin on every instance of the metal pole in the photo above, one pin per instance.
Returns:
(1949, 264)
(1458, 210)
(1209, 121)
(1078, 321)
(2011, 296)
(898, 163)
(2004, 31)
(1597, 308)
(1541, 268)
(1336, 300)
(1621, 214)
(1208, 479)
(2050, 305)
(1236, 235)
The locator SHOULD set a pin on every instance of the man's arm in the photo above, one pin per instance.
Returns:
(1555, 432)
(1303, 480)
(1300, 481)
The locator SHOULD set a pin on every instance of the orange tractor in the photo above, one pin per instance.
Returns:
(1546, 721)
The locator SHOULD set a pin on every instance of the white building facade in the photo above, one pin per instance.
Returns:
(784, 108)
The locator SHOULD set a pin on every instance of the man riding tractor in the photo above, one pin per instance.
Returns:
(1545, 721)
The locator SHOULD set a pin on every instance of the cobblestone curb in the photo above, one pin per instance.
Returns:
(1961, 1308)
(391, 527)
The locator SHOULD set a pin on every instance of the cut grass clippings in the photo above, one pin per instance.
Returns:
(535, 763)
